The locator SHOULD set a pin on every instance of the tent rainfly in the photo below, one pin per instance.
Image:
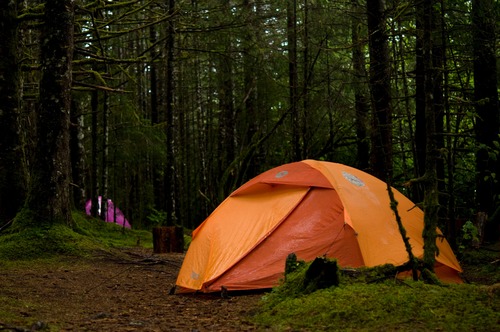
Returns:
(110, 215)
(310, 208)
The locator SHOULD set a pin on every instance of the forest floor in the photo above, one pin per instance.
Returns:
(124, 291)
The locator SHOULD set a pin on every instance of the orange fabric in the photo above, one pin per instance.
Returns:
(234, 229)
(310, 208)
(366, 201)
(314, 228)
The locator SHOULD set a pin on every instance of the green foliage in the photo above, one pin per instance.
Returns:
(89, 234)
(291, 263)
(187, 241)
(387, 306)
(470, 234)
(157, 217)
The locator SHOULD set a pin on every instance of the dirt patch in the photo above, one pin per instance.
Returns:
(125, 292)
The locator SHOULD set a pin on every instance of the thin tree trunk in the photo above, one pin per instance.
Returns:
(420, 134)
(104, 156)
(94, 183)
(293, 80)
(438, 63)
(430, 180)
(307, 74)
(157, 166)
(169, 94)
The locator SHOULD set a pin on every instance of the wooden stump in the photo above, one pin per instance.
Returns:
(168, 239)
(322, 273)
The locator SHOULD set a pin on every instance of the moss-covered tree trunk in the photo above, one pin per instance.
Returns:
(12, 180)
(48, 199)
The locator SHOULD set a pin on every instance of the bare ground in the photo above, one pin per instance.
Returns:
(126, 291)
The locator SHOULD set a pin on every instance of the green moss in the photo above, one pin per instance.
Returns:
(387, 306)
(34, 243)
(110, 234)
(88, 234)
(369, 299)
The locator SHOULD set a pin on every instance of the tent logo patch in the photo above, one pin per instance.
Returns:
(353, 179)
(281, 174)
(195, 275)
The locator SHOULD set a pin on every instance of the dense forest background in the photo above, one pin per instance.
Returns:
(174, 104)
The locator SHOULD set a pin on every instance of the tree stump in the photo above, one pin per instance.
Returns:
(322, 273)
(168, 239)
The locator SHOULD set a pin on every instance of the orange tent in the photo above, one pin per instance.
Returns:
(310, 208)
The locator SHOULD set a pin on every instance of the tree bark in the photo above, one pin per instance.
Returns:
(227, 119)
(381, 153)
(420, 134)
(361, 98)
(430, 180)
(293, 81)
(77, 152)
(169, 111)
(94, 183)
(168, 239)
(49, 193)
(487, 125)
(12, 178)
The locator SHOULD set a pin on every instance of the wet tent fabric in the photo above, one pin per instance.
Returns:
(110, 215)
(311, 208)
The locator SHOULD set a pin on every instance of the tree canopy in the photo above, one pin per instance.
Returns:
(174, 104)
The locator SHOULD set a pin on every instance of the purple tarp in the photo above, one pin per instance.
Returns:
(110, 216)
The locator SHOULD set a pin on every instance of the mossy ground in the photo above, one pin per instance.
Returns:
(59, 263)
(358, 304)
(87, 235)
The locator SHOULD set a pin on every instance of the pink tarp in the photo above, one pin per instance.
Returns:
(110, 216)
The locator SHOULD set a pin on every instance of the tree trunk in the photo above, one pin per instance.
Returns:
(94, 183)
(168, 239)
(381, 153)
(430, 180)
(420, 134)
(361, 99)
(251, 59)
(12, 178)
(438, 65)
(77, 151)
(293, 80)
(104, 157)
(487, 125)
(49, 193)
(169, 96)
(157, 166)
(307, 74)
